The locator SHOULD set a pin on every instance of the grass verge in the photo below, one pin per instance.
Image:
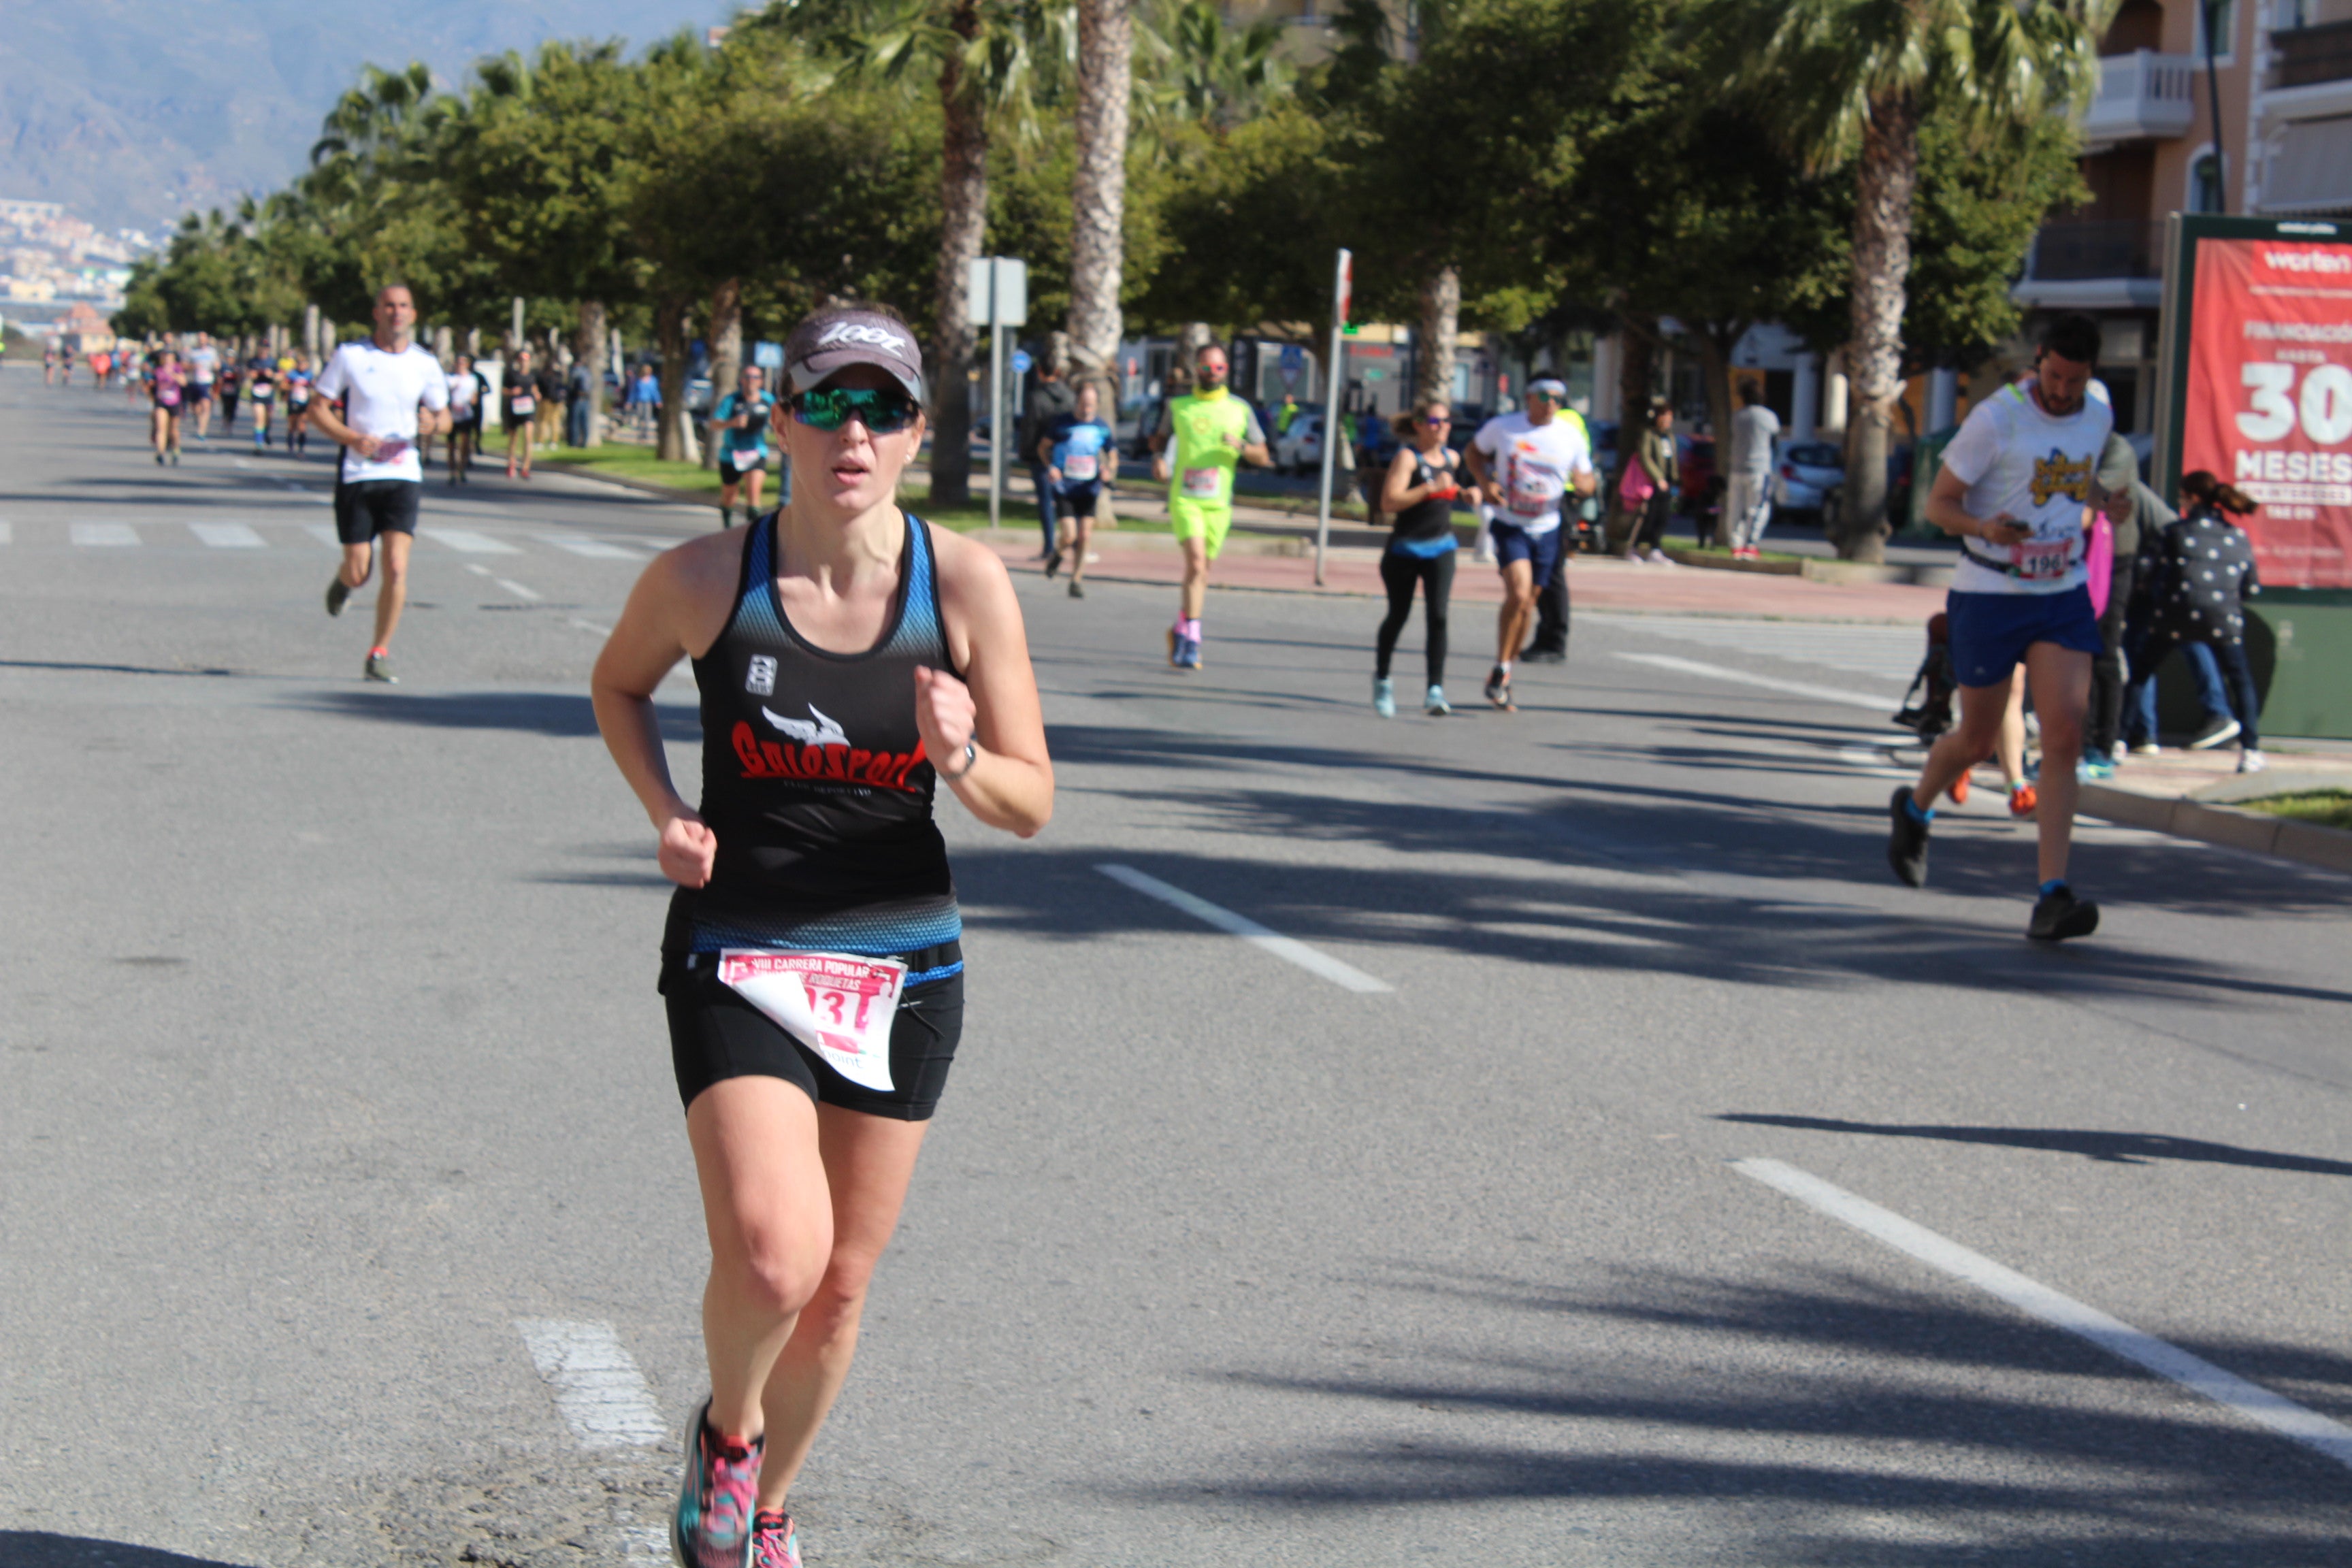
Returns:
(2325, 807)
(622, 460)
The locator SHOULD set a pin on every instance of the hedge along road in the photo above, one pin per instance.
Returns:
(348, 1215)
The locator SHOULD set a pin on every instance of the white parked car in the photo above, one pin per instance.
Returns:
(1804, 473)
(1299, 449)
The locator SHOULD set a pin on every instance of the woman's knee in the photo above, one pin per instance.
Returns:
(776, 1266)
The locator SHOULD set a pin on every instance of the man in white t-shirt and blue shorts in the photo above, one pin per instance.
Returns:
(392, 393)
(1525, 464)
(2018, 485)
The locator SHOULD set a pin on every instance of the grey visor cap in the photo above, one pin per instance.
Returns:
(834, 344)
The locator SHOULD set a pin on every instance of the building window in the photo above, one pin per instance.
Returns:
(2225, 30)
(2291, 15)
(2207, 191)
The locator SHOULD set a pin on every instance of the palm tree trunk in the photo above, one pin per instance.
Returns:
(1099, 192)
(964, 220)
(669, 337)
(726, 350)
(1441, 315)
(588, 346)
(1887, 182)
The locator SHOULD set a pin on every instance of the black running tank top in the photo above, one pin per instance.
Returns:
(814, 780)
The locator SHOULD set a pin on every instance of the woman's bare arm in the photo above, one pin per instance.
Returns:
(1010, 782)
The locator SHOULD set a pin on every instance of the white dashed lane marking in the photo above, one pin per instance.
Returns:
(598, 1390)
(593, 549)
(2250, 1399)
(469, 541)
(1881, 705)
(227, 535)
(103, 535)
(1289, 950)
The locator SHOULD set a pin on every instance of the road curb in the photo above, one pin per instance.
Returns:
(2328, 849)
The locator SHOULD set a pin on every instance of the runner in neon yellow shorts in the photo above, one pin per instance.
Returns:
(1212, 432)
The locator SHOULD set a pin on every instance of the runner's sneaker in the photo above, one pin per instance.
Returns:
(1498, 689)
(1435, 705)
(2092, 770)
(1384, 697)
(1959, 790)
(2251, 761)
(338, 594)
(713, 1526)
(1907, 841)
(2022, 800)
(379, 669)
(2148, 749)
(2215, 732)
(2059, 914)
(1052, 564)
(1077, 590)
(777, 1541)
(1187, 655)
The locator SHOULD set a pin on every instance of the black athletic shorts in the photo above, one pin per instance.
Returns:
(729, 474)
(369, 507)
(715, 1033)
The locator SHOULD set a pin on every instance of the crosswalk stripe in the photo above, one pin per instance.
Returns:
(1889, 653)
(593, 549)
(103, 535)
(7, 534)
(470, 543)
(325, 533)
(227, 535)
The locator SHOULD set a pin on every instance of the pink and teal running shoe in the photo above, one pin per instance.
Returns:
(779, 1543)
(712, 1527)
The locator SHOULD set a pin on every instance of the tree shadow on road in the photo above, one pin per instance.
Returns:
(2116, 1148)
(41, 1549)
(563, 715)
(1830, 1419)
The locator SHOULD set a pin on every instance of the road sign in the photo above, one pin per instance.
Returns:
(767, 356)
(1022, 362)
(1006, 280)
(1293, 357)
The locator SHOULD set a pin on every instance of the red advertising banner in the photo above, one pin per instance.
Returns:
(2269, 398)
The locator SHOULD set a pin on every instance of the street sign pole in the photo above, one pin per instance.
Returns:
(1341, 287)
(995, 389)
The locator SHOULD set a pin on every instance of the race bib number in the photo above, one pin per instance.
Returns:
(263, 394)
(525, 404)
(2044, 560)
(169, 398)
(1080, 466)
(1202, 484)
(1533, 490)
(839, 1007)
(391, 449)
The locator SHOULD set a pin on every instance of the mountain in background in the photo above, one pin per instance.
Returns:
(132, 111)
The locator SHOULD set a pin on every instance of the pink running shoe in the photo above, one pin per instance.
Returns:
(712, 1527)
(779, 1542)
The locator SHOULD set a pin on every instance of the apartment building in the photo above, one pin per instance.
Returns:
(2281, 72)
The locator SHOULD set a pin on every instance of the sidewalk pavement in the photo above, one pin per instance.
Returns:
(2189, 794)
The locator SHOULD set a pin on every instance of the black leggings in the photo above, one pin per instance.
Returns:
(1434, 575)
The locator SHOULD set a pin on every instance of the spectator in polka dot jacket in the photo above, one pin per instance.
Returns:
(2205, 572)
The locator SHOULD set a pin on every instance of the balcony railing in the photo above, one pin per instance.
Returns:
(2307, 55)
(2142, 96)
(2071, 252)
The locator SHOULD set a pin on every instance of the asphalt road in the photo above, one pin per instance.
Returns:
(330, 1054)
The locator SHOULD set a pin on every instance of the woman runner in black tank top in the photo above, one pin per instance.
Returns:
(1420, 488)
(850, 659)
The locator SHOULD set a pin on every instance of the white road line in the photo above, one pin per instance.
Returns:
(593, 549)
(478, 570)
(470, 543)
(591, 626)
(2195, 1373)
(1770, 683)
(517, 589)
(325, 533)
(103, 535)
(1225, 919)
(7, 534)
(599, 1391)
(227, 535)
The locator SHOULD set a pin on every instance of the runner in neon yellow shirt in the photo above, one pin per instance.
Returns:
(1213, 432)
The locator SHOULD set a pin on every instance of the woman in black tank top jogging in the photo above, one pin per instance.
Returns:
(849, 657)
(1419, 493)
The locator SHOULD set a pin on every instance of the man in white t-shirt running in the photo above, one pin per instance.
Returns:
(204, 369)
(392, 393)
(1524, 464)
(2018, 485)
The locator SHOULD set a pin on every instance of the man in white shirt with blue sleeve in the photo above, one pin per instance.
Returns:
(2016, 485)
(392, 393)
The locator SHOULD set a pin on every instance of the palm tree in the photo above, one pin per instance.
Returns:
(1098, 191)
(1850, 81)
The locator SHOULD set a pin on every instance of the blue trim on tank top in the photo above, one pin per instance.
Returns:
(924, 977)
(1426, 549)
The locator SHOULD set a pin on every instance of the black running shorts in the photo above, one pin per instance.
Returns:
(715, 1033)
(370, 507)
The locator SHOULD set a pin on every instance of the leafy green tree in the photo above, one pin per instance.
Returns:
(1853, 82)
